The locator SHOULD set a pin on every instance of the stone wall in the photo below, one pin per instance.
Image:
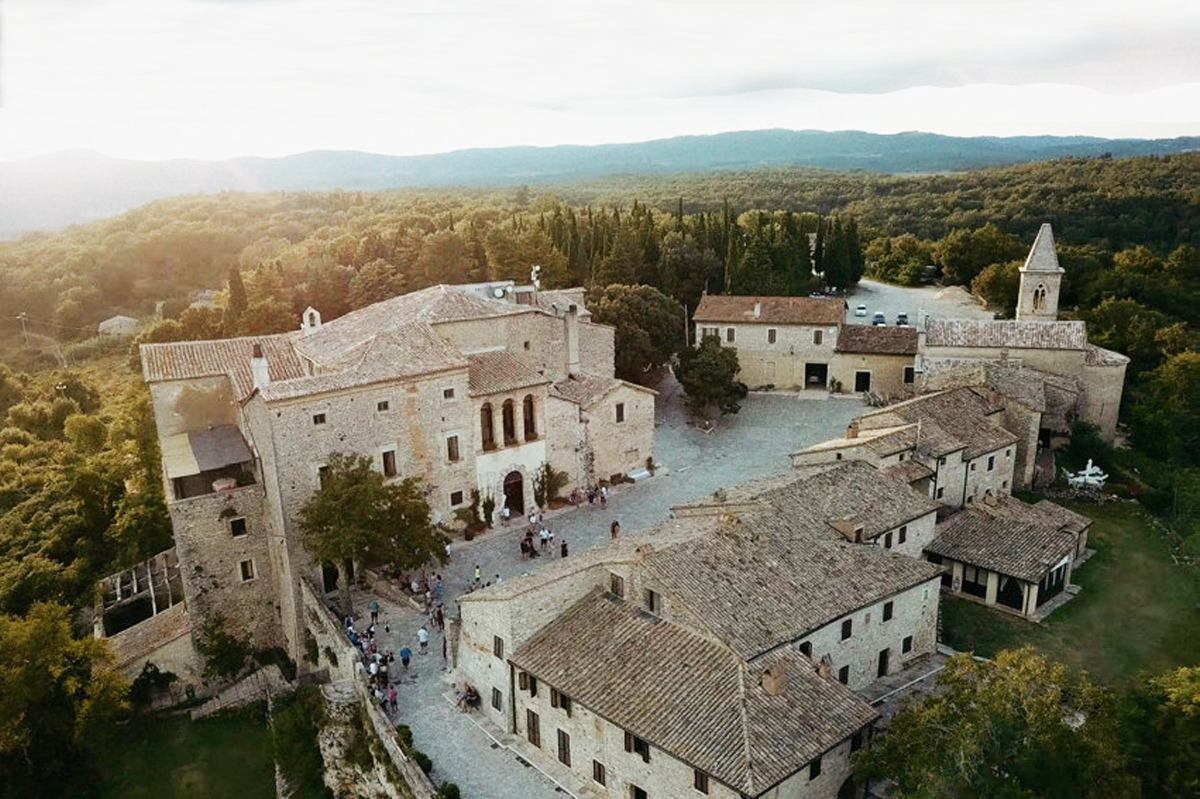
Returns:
(620, 447)
(1025, 424)
(330, 634)
(887, 372)
(1100, 401)
(780, 363)
(597, 349)
(566, 440)
(980, 480)
(165, 640)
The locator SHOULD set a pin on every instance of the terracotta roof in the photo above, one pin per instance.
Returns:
(908, 471)
(692, 697)
(1008, 541)
(501, 371)
(1042, 255)
(183, 360)
(405, 351)
(583, 389)
(759, 582)
(1004, 334)
(772, 310)
(877, 340)
(950, 420)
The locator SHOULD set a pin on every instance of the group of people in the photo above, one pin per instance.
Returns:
(592, 495)
(544, 540)
(377, 664)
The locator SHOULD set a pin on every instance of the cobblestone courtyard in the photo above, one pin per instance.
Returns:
(754, 443)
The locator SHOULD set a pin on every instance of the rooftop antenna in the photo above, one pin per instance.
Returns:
(533, 277)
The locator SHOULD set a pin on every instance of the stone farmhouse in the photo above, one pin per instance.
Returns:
(802, 342)
(471, 387)
(724, 651)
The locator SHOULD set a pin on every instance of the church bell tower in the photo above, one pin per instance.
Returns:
(1041, 277)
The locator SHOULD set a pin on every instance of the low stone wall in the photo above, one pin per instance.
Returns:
(164, 640)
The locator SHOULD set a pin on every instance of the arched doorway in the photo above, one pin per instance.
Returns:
(514, 493)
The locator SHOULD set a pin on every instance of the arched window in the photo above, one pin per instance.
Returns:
(487, 432)
(1039, 298)
(530, 419)
(509, 415)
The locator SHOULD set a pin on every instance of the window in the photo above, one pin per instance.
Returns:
(847, 628)
(508, 419)
(901, 458)
(818, 337)
(1008, 453)
(564, 748)
(247, 567)
(636, 792)
(906, 646)
(487, 432)
(456, 498)
(856, 741)
(532, 685)
(560, 700)
(887, 541)
(653, 601)
(909, 374)
(526, 345)
(447, 393)
(323, 476)
(497, 699)
(814, 769)
(941, 492)
(527, 412)
(237, 527)
(806, 648)
(844, 675)
(382, 406)
(452, 448)
(888, 608)
(523, 680)
(862, 381)
(389, 463)
(1005, 484)
(770, 340)
(616, 584)
(903, 533)
(699, 780)
(498, 649)
(533, 728)
(972, 465)
(318, 419)
(637, 746)
(729, 334)
(620, 412)
(991, 462)
(598, 773)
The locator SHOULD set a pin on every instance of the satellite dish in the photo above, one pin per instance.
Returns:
(498, 293)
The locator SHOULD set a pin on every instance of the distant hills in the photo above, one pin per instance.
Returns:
(53, 191)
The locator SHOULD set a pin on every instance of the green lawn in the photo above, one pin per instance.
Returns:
(176, 758)
(1137, 611)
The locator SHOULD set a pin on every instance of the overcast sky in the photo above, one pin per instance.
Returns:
(220, 78)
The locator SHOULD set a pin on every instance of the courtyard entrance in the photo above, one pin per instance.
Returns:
(816, 375)
(514, 493)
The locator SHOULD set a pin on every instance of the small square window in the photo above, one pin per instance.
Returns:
(637, 746)
(972, 465)
(383, 406)
(532, 685)
(941, 492)
(844, 675)
(620, 412)
(523, 680)
(806, 648)
(887, 541)
(389, 463)
(814, 769)
(323, 475)
(991, 462)
(653, 601)
(527, 345)
(906, 646)
(237, 527)
(447, 393)
(247, 567)
(888, 608)
(1008, 453)
(903, 533)
(498, 648)
(818, 337)
(497, 699)
(1005, 484)
(318, 419)
(456, 498)
(616, 584)
(847, 628)
(770, 335)
(700, 781)
(452, 448)
(729, 335)
(598, 772)
(909, 375)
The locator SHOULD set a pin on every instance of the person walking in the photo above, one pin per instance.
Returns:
(604, 496)
(392, 698)
(423, 639)
(440, 617)
(564, 548)
(616, 529)
(405, 657)
(374, 606)
(478, 573)
(545, 536)
(441, 590)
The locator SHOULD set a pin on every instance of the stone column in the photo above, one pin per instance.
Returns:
(993, 588)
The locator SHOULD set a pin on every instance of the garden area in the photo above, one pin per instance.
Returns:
(1138, 611)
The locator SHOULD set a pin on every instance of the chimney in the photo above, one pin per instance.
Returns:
(258, 367)
(572, 321)
(774, 680)
(852, 429)
(757, 309)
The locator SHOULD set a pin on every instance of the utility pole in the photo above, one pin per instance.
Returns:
(24, 333)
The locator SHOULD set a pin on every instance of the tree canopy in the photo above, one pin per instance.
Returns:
(708, 375)
(649, 327)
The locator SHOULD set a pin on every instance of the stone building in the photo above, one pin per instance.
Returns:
(463, 387)
(875, 358)
(718, 652)
(781, 341)
(118, 327)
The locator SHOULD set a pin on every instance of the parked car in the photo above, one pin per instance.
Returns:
(860, 310)
(879, 319)
(902, 319)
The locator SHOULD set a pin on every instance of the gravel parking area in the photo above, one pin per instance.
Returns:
(945, 303)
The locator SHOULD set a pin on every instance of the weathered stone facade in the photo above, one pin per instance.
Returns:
(887, 375)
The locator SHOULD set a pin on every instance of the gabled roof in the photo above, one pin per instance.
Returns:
(184, 360)
(877, 340)
(585, 389)
(1005, 334)
(772, 310)
(1098, 356)
(1042, 256)
(949, 421)
(500, 371)
(690, 696)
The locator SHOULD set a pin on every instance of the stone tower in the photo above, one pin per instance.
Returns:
(1041, 276)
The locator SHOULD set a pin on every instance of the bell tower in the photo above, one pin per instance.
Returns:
(1041, 278)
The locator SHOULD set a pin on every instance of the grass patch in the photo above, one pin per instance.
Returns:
(228, 755)
(1137, 612)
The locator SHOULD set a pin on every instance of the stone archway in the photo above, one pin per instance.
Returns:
(514, 493)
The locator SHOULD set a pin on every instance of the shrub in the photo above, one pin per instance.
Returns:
(422, 760)
(449, 790)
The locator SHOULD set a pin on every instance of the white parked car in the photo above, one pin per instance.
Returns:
(860, 310)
